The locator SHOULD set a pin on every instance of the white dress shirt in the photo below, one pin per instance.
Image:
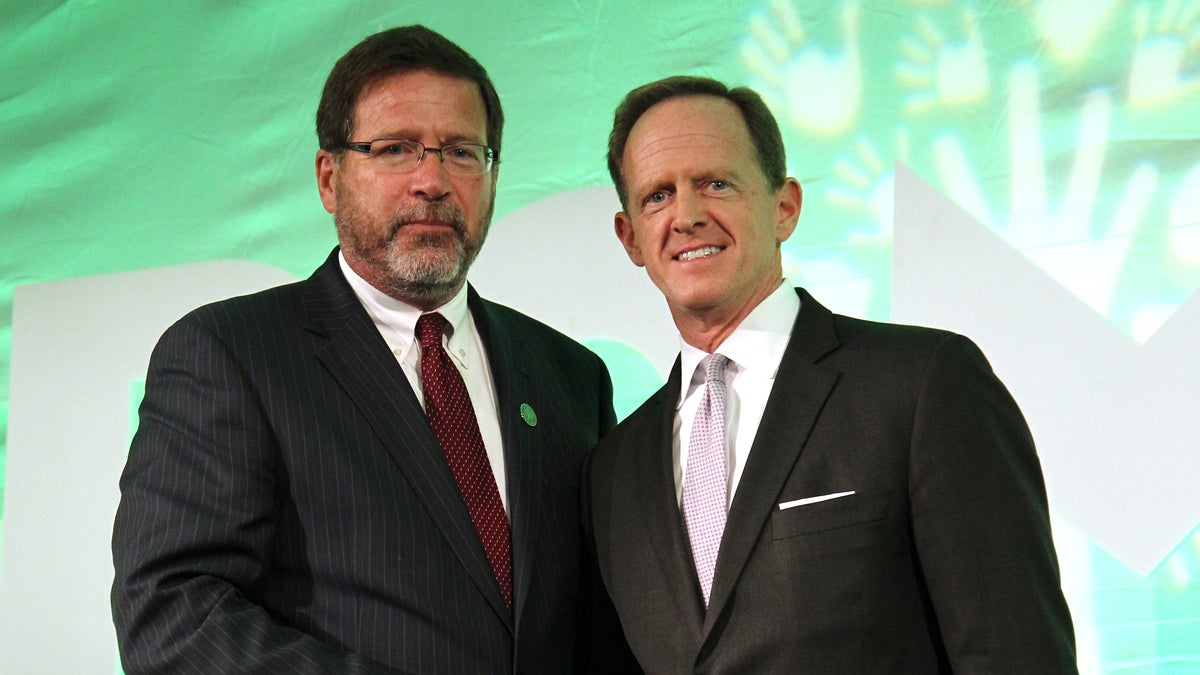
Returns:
(397, 323)
(755, 349)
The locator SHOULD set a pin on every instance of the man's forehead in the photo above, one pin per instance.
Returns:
(414, 78)
(696, 125)
(444, 98)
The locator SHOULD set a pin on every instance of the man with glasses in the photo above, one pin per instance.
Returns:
(375, 469)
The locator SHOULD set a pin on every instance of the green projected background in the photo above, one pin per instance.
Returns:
(142, 135)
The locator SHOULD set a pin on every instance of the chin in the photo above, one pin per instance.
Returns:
(695, 303)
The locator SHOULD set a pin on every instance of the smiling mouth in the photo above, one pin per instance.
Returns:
(697, 253)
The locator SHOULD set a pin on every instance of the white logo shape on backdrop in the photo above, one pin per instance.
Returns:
(1116, 423)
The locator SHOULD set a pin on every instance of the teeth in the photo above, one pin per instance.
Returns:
(700, 253)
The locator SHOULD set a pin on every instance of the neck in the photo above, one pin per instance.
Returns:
(424, 299)
(707, 328)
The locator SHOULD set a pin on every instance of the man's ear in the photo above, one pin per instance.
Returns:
(327, 169)
(624, 228)
(788, 199)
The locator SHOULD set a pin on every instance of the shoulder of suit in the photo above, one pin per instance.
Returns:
(271, 304)
(853, 332)
(850, 329)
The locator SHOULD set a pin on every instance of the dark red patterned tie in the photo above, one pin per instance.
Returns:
(448, 407)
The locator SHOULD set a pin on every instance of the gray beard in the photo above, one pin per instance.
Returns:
(431, 270)
(429, 274)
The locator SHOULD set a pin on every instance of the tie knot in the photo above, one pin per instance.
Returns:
(714, 367)
(430, 328)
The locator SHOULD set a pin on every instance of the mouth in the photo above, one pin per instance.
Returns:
(439, 214)
(429, 219)
(430, 223)
(698, 253)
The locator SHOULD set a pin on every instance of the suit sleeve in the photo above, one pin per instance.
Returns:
(603, 646)
(194, 529)
(981, 523)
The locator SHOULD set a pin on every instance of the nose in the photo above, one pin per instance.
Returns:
(428, 179)
(689, 211)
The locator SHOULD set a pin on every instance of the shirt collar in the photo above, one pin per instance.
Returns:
(397, 320)
(756, 346)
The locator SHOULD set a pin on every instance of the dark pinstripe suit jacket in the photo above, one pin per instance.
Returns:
(941, 561)
(286, 508)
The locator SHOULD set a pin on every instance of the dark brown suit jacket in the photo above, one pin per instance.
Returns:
(286, 507)
(941, 561)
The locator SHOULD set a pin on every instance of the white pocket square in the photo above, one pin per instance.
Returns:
(813, 500)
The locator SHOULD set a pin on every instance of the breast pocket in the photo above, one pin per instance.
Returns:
(851, 511)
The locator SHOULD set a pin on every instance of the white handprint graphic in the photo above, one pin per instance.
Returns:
(1157, 76)
(1062, 239)
(1069, 28)
(864, 181)
(818, 91)
(940, 72)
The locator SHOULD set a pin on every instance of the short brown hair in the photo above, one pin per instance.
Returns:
(392, 52)
(764, 131)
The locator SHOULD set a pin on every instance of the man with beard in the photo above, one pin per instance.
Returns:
(374, 469)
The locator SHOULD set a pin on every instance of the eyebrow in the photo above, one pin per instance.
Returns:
(450, 139)
(726, 174)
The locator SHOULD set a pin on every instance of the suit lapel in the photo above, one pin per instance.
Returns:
(358, 358)
(511, 374)
(797, 397)
(655, 477)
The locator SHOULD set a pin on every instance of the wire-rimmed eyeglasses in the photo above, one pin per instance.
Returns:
(401, 155)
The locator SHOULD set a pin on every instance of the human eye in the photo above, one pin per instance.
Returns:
(393, 148)
(717, 187)
(466, 156)
(464, 152)
(653, 202)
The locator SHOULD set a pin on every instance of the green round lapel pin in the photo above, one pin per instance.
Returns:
(528, 415)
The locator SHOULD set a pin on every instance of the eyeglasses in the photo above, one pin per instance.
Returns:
(398, 156)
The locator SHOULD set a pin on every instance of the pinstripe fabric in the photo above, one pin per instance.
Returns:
(286, 508)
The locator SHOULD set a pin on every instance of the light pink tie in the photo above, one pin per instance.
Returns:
(704, 486)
